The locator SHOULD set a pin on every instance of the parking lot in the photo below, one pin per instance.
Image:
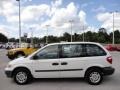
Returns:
(109, 82)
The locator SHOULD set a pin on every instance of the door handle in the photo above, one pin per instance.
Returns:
(64, 63)
(55, 64)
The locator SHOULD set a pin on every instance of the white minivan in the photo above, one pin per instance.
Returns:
(63, 60)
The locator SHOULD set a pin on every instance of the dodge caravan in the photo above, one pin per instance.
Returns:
(63, 60)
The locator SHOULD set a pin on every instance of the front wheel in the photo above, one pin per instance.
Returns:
(22, 76)
(94, 77)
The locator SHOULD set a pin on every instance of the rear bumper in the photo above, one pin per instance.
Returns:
(8, 74)
(108, 70)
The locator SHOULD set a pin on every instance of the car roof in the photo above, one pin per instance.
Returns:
(72, 43)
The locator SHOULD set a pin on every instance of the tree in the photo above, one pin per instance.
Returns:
(117, 36)
(36, 40)
(3, 38)
(103, 30)
(103, 37)
(76, 37)
(12, 40)
(52, 39)
(88, 36)
(66, 37)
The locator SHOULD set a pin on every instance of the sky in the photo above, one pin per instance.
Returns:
(38, 16)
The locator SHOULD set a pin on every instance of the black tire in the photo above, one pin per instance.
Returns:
(11, 57)
(94, 76)
(22, 76)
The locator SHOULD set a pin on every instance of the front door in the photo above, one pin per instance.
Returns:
(46, 63)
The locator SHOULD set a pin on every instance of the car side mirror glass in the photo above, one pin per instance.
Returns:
(35, 57)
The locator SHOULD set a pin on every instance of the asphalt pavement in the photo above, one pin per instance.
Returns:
(109, 83)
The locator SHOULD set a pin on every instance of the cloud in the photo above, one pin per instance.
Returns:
(59, 22)
(104, 16)
(3, 30)
(92, 29)
(56, 3)
(9, 30)
(54, 15)
(63, 15)
(8, 9)
(82, 16)
(34, 12)
(107, 20)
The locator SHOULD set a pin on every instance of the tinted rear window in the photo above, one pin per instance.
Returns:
(94, 50)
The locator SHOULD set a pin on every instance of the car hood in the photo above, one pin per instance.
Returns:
(18, 60)
(16, 49)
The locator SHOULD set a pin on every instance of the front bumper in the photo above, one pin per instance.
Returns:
(8, 73)
(10, 56)
(108, 70)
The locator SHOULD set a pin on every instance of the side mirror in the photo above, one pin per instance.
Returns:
(35, 57)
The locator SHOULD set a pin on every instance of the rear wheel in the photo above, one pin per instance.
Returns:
(94, 76)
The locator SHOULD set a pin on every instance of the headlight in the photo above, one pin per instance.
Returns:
(10, 52)
(9, 66)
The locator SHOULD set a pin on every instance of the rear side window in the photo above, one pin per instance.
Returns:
(94, 50)
(69, 51)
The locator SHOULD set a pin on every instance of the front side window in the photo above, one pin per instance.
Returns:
(69, 51)
(50, 52)
(94, 50)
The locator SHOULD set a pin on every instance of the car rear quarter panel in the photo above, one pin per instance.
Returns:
(99, 61)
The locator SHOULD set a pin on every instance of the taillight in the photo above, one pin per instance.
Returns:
(109, 59)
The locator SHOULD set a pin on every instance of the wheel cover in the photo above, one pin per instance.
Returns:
(21, 77)
(95, 77)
